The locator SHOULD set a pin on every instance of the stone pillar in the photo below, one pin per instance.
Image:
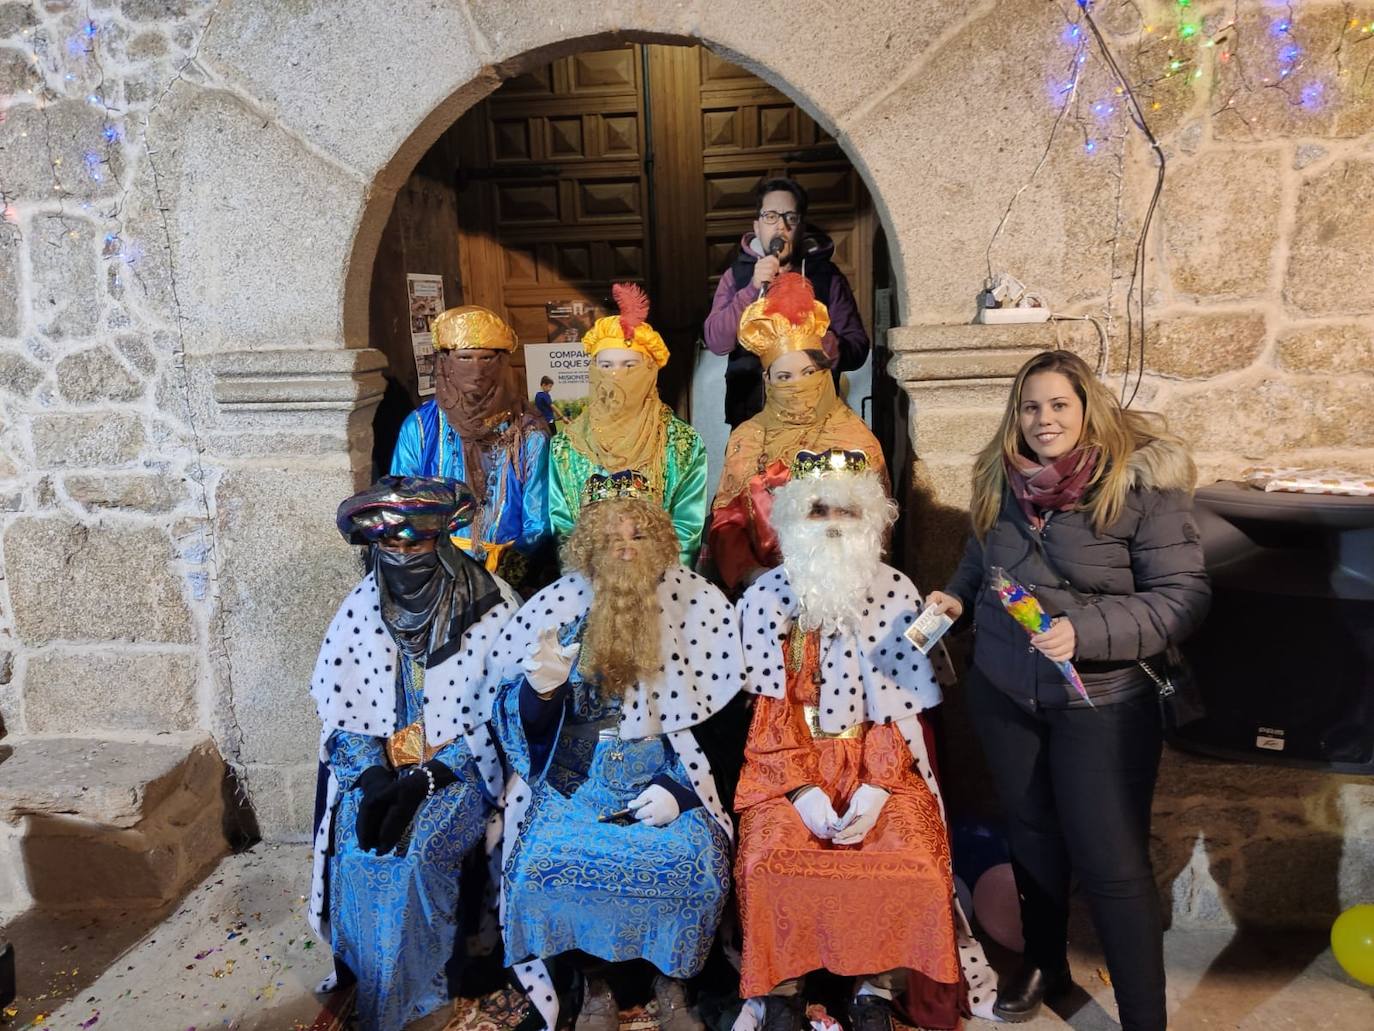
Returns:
(957, 377)
(293, 440)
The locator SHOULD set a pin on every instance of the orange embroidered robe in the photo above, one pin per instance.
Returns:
(806, 903)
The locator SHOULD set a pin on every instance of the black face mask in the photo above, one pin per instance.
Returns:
(413, 588)
(430, 598)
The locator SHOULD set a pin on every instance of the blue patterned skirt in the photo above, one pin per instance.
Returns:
(394, 918)
(615, 891)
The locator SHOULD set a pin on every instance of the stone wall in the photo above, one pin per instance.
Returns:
(1259, 305)
(165, 502)
(194, 194)
(107, 623)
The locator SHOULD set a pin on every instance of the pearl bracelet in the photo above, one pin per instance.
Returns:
(429, 776)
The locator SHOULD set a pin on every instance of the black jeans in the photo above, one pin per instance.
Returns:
(1076, 787)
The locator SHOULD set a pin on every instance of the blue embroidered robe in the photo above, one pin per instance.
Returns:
(619, 891)
(517, 506)
(394, 919)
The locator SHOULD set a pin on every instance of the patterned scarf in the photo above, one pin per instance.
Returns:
(622, 426)
(1056, 487)
(478, 398)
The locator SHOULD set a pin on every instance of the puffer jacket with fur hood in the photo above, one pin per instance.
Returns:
(1141, 586)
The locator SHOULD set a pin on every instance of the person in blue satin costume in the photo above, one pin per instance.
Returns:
(605, 737)
(404, 797)
(616, 890)
(394, 915)
(480, 429)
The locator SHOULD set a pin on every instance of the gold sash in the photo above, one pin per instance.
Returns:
(494, 551)
(811, 716)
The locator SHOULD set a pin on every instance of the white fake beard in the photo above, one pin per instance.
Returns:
(832, 572)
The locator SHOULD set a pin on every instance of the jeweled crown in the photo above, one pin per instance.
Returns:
(826, 463)
(628, 483)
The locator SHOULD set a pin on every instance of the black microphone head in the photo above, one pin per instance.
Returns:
(776, 245)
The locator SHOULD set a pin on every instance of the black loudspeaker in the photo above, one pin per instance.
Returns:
(1285, 659)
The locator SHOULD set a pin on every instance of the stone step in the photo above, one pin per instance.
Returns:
(97, 822)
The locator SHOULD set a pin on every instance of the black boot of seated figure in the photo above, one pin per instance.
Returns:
(784, 1012)
(1019, 996)
(870, 1013)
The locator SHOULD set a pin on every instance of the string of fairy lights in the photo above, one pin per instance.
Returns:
(1180, 45)
(72, 72)
(1178, 52)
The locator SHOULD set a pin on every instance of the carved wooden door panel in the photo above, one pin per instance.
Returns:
(637, 164)
(552, 187)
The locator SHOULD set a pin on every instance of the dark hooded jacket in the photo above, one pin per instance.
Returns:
(1137, 588)
(846, 342)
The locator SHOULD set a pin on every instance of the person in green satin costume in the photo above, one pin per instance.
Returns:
(626, 426)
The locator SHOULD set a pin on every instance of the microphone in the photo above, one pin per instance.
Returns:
(775, 247)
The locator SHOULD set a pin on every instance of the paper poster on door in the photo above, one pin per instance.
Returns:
(426, 295)
(562, 358)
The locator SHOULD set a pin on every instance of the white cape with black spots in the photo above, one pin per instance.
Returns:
(703, 669)
(354, 689)
(871, 673)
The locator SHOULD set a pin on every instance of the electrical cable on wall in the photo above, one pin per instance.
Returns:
(1027, 305)
(1136, 283)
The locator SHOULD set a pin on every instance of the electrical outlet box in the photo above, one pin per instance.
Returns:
(1008, 316)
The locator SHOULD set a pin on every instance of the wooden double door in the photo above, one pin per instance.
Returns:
(638, 164)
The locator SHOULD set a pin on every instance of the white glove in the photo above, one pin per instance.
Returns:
(815, 810)
(548, 667)
(861, 815)
(656, 806)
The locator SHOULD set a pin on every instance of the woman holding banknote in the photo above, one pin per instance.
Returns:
(1089, 506)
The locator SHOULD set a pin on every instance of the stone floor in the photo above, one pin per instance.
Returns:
(236, 953)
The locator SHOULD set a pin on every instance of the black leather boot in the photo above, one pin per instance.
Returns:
(1020, 995)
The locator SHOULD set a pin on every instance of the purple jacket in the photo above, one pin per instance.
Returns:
(846, 339)
(846, 342)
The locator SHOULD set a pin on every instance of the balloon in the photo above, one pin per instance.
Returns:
(1352, 942)
(999, 907)
(964, 896)
(977, 847)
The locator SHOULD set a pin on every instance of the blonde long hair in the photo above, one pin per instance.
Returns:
(1116, 431)
(622, 640)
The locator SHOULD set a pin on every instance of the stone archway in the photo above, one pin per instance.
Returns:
(284, 169)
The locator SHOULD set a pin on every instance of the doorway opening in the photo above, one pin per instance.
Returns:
(635, 163)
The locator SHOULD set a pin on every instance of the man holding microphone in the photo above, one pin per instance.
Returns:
(780, 241)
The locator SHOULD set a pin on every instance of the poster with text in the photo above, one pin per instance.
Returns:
(426, 295)
(562, 358)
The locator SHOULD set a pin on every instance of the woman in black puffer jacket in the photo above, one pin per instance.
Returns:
(1090, 507)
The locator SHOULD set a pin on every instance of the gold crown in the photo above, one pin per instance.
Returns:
(815, 464)
(471, 326)
(625, 484)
